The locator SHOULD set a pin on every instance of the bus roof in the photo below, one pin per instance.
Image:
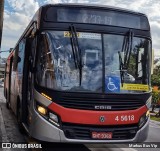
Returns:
(87, 5)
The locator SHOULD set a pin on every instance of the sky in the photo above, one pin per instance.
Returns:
(18, 13)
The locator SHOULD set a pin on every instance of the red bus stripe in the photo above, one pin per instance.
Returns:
(93, 117)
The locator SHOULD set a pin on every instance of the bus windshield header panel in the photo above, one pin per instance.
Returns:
(95, 16)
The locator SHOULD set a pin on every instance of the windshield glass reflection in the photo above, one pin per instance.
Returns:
(56, 63)
(131, 78)
(66, 75)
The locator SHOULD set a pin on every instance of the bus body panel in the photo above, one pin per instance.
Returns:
(92, 117)
(14, 93)
(8, 68)
(45, 131)
(7, 79)
(39, 125)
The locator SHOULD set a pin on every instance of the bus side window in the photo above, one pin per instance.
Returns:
(33, 48)
(30, 47)
(45, 73)
(20, 58)
(15, 59)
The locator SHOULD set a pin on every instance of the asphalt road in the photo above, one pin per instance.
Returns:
(9, 133)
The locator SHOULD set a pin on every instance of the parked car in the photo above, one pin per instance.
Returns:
(2, 82)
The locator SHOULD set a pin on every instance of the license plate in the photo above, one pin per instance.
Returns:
(102, 135)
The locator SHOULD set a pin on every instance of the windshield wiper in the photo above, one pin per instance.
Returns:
(126, 49)
(121, 66)
(76, 52)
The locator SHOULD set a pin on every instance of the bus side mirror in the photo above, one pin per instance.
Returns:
(140, 62)
(19, 59)
(32, 69)
(10, 49)
(152, 63)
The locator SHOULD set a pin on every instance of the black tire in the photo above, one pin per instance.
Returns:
(7, 101)
(19, 121)
(7, 105)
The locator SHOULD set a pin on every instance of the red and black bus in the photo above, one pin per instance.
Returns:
(82, 73)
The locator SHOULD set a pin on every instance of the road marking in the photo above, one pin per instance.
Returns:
(3, 130)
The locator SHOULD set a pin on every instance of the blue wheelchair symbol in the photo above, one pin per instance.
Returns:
(112, 84)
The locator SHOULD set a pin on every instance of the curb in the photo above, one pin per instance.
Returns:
(155, 121)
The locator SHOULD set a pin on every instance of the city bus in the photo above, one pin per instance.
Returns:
(82, 73)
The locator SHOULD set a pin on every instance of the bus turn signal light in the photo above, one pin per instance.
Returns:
(46, 96)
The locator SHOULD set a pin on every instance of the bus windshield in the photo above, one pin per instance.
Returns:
(101, 58)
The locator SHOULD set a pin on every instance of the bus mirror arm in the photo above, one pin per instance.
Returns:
(32, 69)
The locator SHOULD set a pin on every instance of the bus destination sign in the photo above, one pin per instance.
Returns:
(92, 16)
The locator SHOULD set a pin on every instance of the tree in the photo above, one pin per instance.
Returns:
(155, 99)
(155, 78)
(155, 81)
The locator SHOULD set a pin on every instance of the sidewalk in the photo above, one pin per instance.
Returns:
(154, 121)
(153, 114)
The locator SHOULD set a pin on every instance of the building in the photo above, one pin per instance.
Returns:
(2, 67)
(1, 18)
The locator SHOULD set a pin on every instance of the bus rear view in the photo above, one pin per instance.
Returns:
(91, 79)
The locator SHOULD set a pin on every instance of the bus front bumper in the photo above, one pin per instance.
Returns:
(43, 130)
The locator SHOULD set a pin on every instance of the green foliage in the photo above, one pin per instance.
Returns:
(132, 65)
(155, 118)
(155, 96)
(155, 78)
(155, 81)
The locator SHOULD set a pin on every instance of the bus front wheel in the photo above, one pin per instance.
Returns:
(7, 101)
(19, 119)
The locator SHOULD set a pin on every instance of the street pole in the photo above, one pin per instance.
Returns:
(1, 19)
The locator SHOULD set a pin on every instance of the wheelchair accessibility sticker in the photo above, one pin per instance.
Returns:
(112, 84)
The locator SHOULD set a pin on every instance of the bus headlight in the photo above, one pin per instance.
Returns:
(143, 119)
(148, 102)
(41, 110)
(49, 116)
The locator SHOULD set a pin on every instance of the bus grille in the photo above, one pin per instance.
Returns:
(74, 131)
(89, 103)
